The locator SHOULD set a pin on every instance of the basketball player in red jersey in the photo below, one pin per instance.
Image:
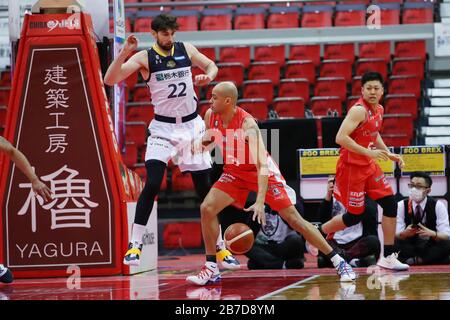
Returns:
(357, 173)
(237, 134)
(37, 185)
(167, 70)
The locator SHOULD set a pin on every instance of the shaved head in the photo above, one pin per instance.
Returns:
(224, 97)
(227, 89)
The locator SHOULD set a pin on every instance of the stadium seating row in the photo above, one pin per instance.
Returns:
(309, 16)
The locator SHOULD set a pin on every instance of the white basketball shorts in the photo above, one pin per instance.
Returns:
(173, 141)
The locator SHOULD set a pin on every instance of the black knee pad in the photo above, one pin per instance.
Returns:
(155, 174)
(389, 205)
(351, 219)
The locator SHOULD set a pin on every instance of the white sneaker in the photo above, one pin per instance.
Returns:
(6, 275)
(347, 290)
(391, 262)
(205, 276)
(227, 260)
(355, 263)
(133, 255)
(345, 271)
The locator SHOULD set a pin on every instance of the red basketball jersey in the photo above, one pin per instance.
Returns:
(365, 135)
(234, 146)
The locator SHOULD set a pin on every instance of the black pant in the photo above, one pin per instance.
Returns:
(274, 255)
(430, 251)
(360, 248)
(356, 249)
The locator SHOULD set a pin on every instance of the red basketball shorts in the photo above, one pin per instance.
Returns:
(279, 195)
(354, 182)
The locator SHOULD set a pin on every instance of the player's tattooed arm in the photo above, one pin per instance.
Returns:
(258, 154)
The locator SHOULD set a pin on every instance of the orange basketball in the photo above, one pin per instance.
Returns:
(239, 238)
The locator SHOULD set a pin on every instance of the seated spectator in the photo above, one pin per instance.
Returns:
(358, 244)
(423, 229)
(276, 246)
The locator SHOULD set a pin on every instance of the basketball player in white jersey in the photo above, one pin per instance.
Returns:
(166, 68)
(37, 185)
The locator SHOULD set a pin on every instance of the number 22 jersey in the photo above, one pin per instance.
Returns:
(170, 82)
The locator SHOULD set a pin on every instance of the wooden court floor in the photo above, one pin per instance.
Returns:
(310, 283)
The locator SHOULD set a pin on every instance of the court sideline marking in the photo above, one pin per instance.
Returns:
(270, 294)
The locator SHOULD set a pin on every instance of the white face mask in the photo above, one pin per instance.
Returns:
(416, 195)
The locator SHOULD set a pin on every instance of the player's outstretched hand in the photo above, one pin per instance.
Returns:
(41, 189)
(378, 154)
(131, 43)
(397, 158)
(258, 212)
(202, 80)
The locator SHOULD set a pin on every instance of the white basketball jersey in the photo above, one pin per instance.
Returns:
(170, 82)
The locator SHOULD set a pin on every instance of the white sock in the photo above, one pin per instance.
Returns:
(220, 244)
(137, 233)
(336, 259)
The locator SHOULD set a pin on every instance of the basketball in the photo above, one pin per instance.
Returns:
(172, 180)
(239, 238)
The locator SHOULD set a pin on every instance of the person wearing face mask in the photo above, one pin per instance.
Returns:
(423, 229)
